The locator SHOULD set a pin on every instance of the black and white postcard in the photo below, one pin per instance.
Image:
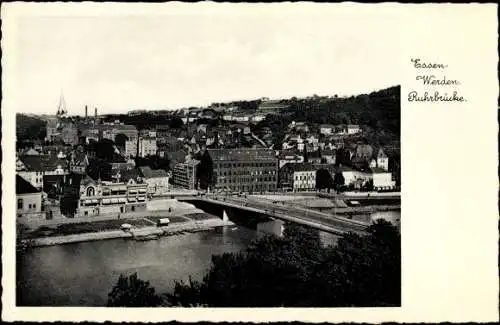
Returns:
(312, 162)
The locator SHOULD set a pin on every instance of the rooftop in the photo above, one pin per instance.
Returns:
(24, 187)
(147, 172)
(377, 170)
(299, 167)
(42, 162)
(253, 154)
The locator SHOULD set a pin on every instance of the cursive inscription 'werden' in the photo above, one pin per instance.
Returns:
(432, 80)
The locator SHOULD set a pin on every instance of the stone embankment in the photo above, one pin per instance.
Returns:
(134, 233)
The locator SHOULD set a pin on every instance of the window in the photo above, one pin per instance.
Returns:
(20, 203)
(29, 206)
(90, 191)
(34, 206)
(86, 213)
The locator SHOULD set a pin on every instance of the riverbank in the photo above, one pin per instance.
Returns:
(368, 209)
(139, 233)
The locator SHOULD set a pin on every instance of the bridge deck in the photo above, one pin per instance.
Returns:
(322, 221)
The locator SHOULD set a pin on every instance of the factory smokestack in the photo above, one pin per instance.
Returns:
(86, 112)
(95, 112)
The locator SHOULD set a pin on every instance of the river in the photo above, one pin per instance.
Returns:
(82, 274)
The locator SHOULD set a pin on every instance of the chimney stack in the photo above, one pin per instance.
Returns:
(86, 112)
(95, 112)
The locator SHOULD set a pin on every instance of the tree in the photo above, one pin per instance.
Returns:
(338, 180)
(293, 271)
(189, 294)
(176, 123)
(324, 179)
(205, 171)
(368, 186)
(133, 292)
(99, 169)
(120, 139)
(104, 149)
(30, 128)
(69, 201)
(155, 162)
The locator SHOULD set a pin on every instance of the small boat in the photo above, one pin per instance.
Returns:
(125, 227)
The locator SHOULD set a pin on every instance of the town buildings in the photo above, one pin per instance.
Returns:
(110, 131)
(184, 174)
(157, 180)
(289, 157)
(244, 170)
(382, 160)
(147, 147)
(298, 177)
(29, 199)
(127, 193)
(327, 129)
(33, 168)
(353, 129)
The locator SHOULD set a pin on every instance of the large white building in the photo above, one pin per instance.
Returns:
(327, 129)
(382, 180)
(125, 194)
(352, 176)
(353, 129)
(304, 180)
(147, 147)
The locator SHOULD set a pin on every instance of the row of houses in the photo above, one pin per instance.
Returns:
(303, 177)
(260, 170)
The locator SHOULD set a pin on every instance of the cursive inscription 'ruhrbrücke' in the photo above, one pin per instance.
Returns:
(414, 96)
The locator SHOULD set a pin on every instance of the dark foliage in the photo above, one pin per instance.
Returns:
(69, 200)
(297, 271)
(99, 169)
(30, 128)
(338, 180)
(120, 139)
(155, 162)
(133, 292)
(103, 149)
(205, 171)
(324, 179)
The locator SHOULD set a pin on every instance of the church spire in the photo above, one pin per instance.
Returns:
(61, 108)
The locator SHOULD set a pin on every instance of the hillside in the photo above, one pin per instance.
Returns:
(30, 128)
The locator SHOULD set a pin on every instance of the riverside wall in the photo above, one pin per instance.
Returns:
(173, 229)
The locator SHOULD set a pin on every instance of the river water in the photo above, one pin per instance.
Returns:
(82, 274)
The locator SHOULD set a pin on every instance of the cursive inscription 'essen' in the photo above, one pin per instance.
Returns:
(429, 65)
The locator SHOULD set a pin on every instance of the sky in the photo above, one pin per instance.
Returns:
(180, 58)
